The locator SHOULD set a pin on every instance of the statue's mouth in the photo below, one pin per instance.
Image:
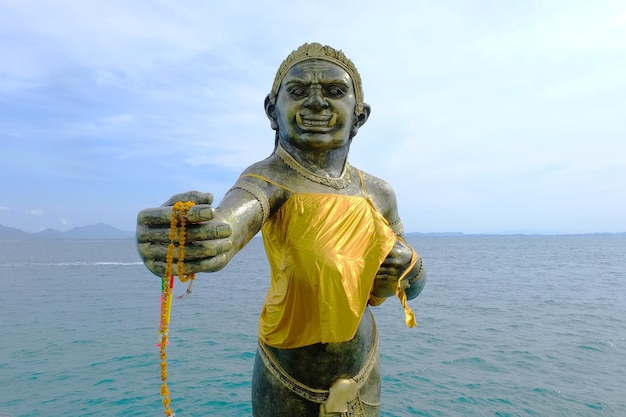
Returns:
(316, 123)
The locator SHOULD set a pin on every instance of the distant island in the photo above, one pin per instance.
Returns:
(103, 231)
(92, 232)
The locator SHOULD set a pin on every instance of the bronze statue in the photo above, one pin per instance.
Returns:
(333, 238)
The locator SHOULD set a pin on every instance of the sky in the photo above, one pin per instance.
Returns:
(487, 116)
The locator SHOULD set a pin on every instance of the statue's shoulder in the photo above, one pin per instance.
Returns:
(269, 168)
(262, 178)
(377, 187)
(382, 194)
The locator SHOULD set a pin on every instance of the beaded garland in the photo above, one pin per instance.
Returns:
(178, 234)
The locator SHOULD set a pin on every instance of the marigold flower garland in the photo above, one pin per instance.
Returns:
(178, 234)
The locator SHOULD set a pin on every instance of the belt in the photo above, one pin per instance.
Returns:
(342, 396)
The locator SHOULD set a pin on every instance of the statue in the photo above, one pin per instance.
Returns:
(333, 238)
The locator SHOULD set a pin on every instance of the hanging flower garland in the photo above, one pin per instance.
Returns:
(178, 235)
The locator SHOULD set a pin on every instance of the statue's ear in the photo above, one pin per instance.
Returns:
(270, 110)
(361, 119)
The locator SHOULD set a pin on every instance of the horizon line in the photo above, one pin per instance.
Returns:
(413, 233)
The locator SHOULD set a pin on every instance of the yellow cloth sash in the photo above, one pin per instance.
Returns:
(324, 251)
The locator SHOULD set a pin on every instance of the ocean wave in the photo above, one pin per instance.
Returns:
(78, 263)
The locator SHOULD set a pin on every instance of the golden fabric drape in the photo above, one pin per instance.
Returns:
(324, 251)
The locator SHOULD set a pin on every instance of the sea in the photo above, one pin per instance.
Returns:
(508, 326)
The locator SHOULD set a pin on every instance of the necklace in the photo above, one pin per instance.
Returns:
(338, 183)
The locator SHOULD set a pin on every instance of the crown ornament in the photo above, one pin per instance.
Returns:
(326, 53)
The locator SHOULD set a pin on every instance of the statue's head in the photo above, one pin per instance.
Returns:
(315, 50)
(316, 97)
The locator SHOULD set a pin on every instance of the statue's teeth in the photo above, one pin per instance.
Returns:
(313, 121)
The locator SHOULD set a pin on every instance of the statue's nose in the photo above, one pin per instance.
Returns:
(316, 101)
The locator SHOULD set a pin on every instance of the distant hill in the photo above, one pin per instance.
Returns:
(9, 233)
(95, 231)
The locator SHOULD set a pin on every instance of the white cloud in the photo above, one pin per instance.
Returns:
(118, 120)
(471, 104)
(34, 212)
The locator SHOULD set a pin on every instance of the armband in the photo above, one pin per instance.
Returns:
(414, 276)
(258, 194)
(397, 226)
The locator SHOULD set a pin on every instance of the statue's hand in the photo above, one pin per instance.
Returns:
(207, 240)
(392, 268)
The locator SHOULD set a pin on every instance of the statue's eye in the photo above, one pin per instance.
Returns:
(297, 92)
(334, 91)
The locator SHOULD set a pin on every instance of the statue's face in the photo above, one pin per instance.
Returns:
(315, 106)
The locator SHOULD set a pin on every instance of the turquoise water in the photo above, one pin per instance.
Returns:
(509, 326)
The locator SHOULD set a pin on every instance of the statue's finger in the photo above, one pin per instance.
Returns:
(150, 251)
(157, 268)
(395, 262)
(387, 274)
(192, 267)
(155, 216)
(153, 234)
(208, 231)
(204, 198)
(195, 196)
(160, 216)
(200, 213)
(194, 251)
(207, 249)
(195, 232)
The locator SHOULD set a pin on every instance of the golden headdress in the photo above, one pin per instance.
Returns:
(326, 53)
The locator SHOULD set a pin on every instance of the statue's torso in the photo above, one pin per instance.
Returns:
(319, 365)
